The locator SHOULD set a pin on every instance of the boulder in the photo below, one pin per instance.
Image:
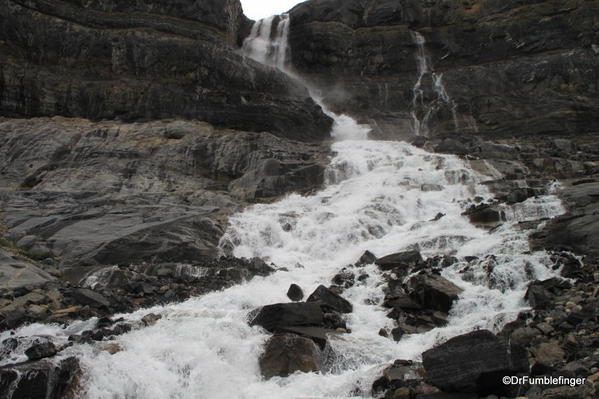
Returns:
(295, 293)
(402, 260)
(367, 258)
(540, 294)
(40, 350)
(281, 315)
(286, 354)
(485, 215)
(433, 291)
(329, 300)
(40, 380)
(316, 334)
(18, 272)
(150, 319)
(345, 278)
(474, 363)
(91, 298)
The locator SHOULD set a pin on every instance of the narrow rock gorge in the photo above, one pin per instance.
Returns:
(354, 199)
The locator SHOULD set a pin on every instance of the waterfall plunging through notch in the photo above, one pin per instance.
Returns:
(263, 48)
(379, 196)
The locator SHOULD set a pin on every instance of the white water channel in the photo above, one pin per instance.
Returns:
(379, 196)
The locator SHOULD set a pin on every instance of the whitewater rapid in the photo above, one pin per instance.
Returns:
(379, 196)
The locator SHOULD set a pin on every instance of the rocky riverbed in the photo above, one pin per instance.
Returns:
(158, 185)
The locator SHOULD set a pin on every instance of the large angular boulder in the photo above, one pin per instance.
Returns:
(433, 291)
(90, 297)
(330, 301)
(287, 353)
(40, 350)
(40, 380)
(474, 363)
(280, 315)
(485, 215)
(540, 294)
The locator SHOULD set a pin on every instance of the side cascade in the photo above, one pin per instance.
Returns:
(425, 105)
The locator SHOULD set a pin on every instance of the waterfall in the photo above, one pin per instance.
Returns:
(261, 47)
(423, 109)
(377, 197)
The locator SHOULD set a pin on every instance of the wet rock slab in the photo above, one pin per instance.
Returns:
(40, 380)
(474, 363)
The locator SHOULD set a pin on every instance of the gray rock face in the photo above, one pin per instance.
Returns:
(509, 68)
(109, 59)
(106, 193)
(17, 271)
(473, 363)
(577, 231)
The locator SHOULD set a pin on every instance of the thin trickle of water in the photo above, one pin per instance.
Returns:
(379, 196)
(423, 109)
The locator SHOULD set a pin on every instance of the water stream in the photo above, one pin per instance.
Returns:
(379, 196)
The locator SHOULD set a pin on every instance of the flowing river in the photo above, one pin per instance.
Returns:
(380, 196)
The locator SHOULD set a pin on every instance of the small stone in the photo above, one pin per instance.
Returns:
(402, 393)
(150, 319)
(548, 353)
(593, 378)
(545, 328)
(383, 333)
(397, 333)
(295, 293)
(111, 348)
(66, 311)
(425, 389)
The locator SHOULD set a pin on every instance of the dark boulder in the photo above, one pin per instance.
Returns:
(474, 363)
(281, 315)
(286, 354)
(40, 380)
(91, 298)
(402, 260)
(295, 293)
(485, 215)
(316, 334)
(40, 350)
(345, 278)
(367, 258)
(328, 300)
(540, 294)
(433, 291)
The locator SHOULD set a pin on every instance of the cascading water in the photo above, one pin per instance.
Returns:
(424, 109)
(379, 196)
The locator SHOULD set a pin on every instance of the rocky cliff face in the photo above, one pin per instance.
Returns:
(108, 59)
(511, 84)
(495, 68)
(105, 193)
